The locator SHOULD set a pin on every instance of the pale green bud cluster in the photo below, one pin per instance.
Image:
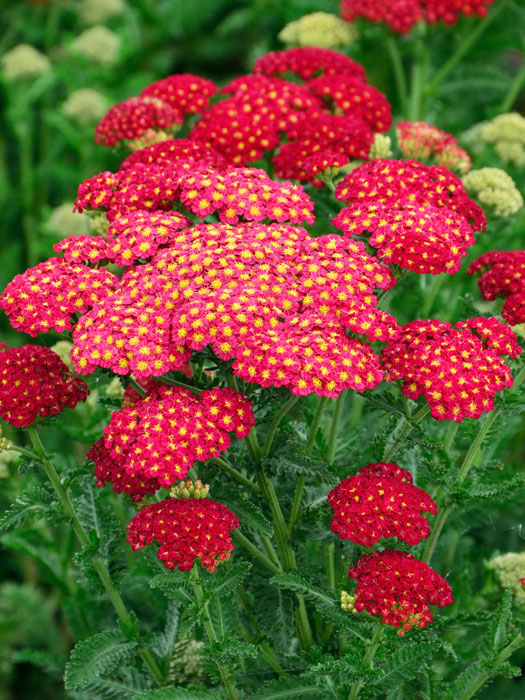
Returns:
(507, 133)
(190, 489)
(186, 667)
(64, 222)
(495, 190)
(63, 350)
(381, 147)
(98, 11)
(4, 443)
(98, 45)
(148, 138)
(510, 568)
(24, 61)
(114, 389)
(319, 29)
(98, 222)
(86, 106)
(348, 602)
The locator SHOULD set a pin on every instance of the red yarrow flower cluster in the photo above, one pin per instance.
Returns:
(503, 274)
(380, 501)
(276, 301)
(35, 383)
(187, 529)
(185, 92)
(458, 369)
(402, 15)
(398, 588)
(418, 217)
(46, 296)
(424, 141)
(308, 62)
(161, 436)
(134, 117)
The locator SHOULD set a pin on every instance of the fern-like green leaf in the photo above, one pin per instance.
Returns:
(299, 584)
(286, 688)
(175, 694)
(97, 655)
(405, 663)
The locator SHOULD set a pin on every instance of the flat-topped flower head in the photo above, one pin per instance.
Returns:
(184, 92)
(319, 29)
(458, 369)
(494, 190)
(135, 117)
(46, 296)
(356, 97)
(187, 530)
(402, 15)
(380, 501)
(35, 383)
(398, 588)
(308, 62)
(502, 273)
(159, 438)
(424, 141)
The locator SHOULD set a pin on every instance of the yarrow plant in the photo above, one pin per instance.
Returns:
(239, 328)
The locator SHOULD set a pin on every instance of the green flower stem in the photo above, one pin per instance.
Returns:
(466, 465)
(296, 503)
(481, 678)
(464, 46)
(399, 74)
(229, 469)
(285, 408)
(450, 434)
(256, 552)
(138, 387)
(97, 562)
(25, 453)
(175, 382)
(516, 87)
(367, 658)
(210, 631)
(334, 429)
(418, 76)
(286, 555)
(270, 551)
(407, 429)
(430, 296)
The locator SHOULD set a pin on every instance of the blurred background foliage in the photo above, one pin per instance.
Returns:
(47, 149)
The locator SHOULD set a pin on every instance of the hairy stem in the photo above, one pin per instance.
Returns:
(229, 469)
(482, 677)
(405, 432)
(212, 636)
(285, 408)
(97, 562)
(334, 429)
(256, 552)
(367, 658)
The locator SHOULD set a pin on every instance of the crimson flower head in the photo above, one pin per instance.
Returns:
(45, 297)
(458, 369)
(402, 15)
(35, 383)
(307, 62)
(187, 529)
(184, 92)
(380, 501)
(134, 117)
(502, 273)
(423, 141)
(152, 443)
(417, 216)
(398, 588)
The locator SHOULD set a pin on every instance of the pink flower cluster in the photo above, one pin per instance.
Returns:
(424, 141)
(503, 274)
(35, 383)
(154, 442)
(187, 530)
(380, 501)
(458, 369)
(418, 217)
(402, 15)
(399, 588)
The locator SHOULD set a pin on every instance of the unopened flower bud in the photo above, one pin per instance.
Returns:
(319, 29)
(348, 602)
(190, 489)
